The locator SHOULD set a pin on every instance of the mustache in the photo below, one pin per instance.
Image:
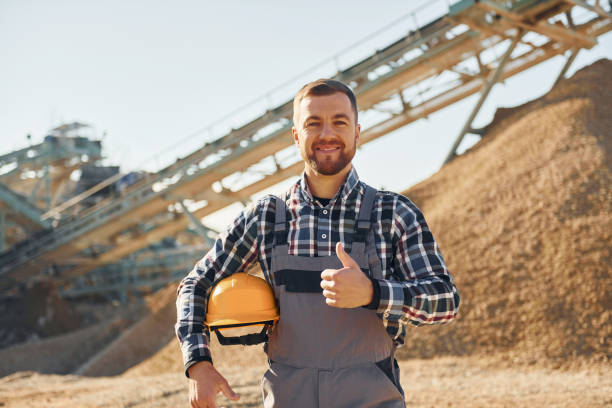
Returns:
(339, 143)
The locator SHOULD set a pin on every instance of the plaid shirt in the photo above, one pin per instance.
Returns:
(417, 288)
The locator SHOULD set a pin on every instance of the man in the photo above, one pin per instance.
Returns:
(350, 267)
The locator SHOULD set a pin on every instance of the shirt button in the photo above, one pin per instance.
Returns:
(325, 212)
(323, 236)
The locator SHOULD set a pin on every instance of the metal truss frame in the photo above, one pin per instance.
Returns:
(452, 54)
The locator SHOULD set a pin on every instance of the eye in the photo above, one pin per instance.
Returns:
(340, 123)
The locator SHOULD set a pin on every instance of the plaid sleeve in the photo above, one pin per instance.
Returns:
(419, 289)
(234, 250)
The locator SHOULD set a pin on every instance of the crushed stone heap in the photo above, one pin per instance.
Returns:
(524, 220)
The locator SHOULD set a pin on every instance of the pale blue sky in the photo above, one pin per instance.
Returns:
(151, 73)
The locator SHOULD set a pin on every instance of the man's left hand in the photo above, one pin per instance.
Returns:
(348, 286)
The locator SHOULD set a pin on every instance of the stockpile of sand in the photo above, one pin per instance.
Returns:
(60, 354)
(140, 341)
(35, 312)
(226, 358)
(524, 220)
(40, 331)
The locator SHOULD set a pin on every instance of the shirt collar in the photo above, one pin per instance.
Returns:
(350, 183)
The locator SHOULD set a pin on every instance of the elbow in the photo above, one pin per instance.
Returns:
(449, 308)
(448, 305)
(457, 301)
(440, 308)
(452, 307)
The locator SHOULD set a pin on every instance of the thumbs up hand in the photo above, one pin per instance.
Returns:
(348, 286)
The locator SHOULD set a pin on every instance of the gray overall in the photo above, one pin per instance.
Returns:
(319, 355)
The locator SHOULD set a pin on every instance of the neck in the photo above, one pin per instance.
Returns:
(323, 186)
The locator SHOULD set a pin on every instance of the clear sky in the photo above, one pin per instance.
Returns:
(148, 74)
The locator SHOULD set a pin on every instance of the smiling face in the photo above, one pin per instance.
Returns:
(326, 132)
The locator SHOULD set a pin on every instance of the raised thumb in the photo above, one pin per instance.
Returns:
(345, 258)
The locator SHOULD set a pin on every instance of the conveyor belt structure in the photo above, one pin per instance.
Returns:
(34, 178)
(465, 50)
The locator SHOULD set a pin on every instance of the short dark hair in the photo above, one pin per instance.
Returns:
(323, 87)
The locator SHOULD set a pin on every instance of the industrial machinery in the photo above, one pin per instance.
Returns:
(465, 48)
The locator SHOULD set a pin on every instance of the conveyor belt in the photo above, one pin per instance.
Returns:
(442, 47)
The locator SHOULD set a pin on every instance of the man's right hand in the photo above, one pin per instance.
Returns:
(205, 383)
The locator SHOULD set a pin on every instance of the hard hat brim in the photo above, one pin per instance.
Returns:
(251, 320)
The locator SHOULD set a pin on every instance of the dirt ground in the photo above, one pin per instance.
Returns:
(442, 382)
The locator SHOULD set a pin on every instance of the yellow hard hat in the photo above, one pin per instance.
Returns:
(241, 300)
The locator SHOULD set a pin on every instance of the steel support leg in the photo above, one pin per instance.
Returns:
(47, 186)
(572, 57)
(492, 80)
(32, 195)
(568, 63)
(2, 231)
(198, 225)
(123, 292)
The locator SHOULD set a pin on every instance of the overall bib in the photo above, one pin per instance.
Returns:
(319, 355)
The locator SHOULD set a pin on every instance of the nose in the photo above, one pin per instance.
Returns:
(326, 130)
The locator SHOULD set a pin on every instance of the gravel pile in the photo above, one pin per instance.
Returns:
(524, 220)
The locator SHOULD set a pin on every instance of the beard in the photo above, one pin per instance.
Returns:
(327, 165)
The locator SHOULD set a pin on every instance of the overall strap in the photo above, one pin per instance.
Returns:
(280, 224)
(365, 214)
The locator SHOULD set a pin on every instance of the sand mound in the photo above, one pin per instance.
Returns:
(34, 312)
(141, 340)
(524, 221)
(228, 359)
(60, 354)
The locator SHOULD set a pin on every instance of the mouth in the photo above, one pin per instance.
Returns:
(327, 149)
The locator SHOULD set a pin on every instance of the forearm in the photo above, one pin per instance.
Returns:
(192, 334)
(434, 300)
(418, 288)
(234, 250)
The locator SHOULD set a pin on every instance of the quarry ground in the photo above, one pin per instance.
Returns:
(442, 382)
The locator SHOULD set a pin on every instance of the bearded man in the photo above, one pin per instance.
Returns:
(351, 268)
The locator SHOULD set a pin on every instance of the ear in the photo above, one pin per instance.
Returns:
(357, 134)
(296, 139)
